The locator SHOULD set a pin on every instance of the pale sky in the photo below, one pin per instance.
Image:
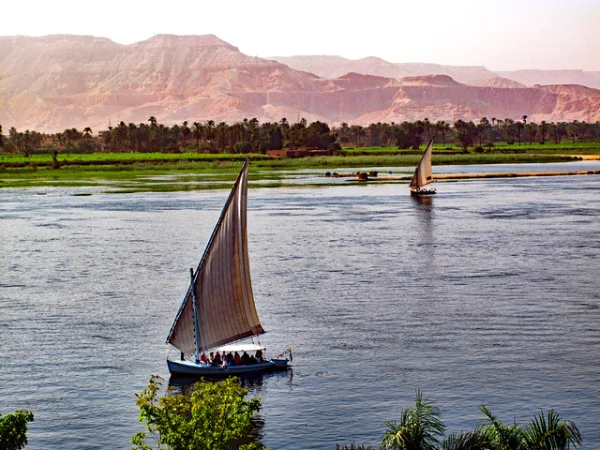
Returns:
(500, 35)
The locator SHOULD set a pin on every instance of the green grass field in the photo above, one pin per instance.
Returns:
(186, 171)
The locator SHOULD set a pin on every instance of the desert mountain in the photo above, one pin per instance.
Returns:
(56, 82)
(533, 77)
(334, 66)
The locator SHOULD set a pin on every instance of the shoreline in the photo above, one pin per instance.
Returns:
(183, 181)
(468, 176)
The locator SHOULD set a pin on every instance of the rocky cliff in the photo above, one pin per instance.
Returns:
(57, 82)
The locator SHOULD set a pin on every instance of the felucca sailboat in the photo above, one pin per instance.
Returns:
(218, 309)
(423, 174)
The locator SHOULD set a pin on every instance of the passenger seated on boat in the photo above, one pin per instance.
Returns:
(216, 361)
(252, 360)
(259, 357)
(203, 358)
(230, 360)
(245, 358)
(237, 359)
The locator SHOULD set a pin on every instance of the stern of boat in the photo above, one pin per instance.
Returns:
(280, 364)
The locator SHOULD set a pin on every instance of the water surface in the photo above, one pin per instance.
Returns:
(487, 294)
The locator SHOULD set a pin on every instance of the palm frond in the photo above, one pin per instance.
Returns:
(419, 428)
(503, 436)
(547, 432)
(471, 440)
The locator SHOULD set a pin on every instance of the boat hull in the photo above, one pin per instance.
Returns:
(191, 368)
(422, 192)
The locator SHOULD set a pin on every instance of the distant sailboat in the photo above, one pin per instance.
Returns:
(423, 174)
(219, 308)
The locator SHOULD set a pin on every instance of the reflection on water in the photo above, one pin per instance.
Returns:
(254, 383)
(484, 293)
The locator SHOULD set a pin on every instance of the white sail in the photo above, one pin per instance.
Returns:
(222, 289)
(423, 174)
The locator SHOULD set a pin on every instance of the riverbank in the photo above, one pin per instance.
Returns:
(147, 172)
(468, 176)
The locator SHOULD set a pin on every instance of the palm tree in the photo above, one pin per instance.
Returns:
(198, 134)
(418, 429)
(542, 131)
(133, 136)
(428, 126)
(442, 127)
(482, 127)
(153, 135)
(547, 432)
(503, 436)
(221, 136)
(544, 432)
(357, 131)
(252, 128)
(285, 127)
(121, 135)
(60, 138)
(210, 133)
(185, 132)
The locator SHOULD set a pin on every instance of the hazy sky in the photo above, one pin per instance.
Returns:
(500, 35)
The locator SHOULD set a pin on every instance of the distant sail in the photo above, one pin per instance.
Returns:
(223, 290)
(423, 174)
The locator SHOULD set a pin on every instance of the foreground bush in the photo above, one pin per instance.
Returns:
(13, 430)
(210, 418)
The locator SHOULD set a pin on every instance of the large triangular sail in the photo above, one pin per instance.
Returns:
(423, 174)
(221, 289)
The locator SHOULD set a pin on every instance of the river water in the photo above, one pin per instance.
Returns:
(488, 294)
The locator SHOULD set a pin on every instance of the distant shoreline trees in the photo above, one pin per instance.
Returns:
(250, 136)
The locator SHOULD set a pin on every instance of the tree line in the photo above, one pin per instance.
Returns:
(251, 136)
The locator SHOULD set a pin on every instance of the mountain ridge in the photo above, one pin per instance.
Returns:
(63, 81)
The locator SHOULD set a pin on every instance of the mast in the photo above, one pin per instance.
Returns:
(196, 327)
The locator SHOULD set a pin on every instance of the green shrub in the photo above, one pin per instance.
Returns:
(211, 417)
(13, 430)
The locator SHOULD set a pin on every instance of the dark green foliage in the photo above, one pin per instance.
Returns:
(548, 432)
(242, 147)
(472, 440)
(13, 430)
(211, 417)
(210, 137)
(419, 428)
(334, 147)
(466, 132)
(409, 134)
